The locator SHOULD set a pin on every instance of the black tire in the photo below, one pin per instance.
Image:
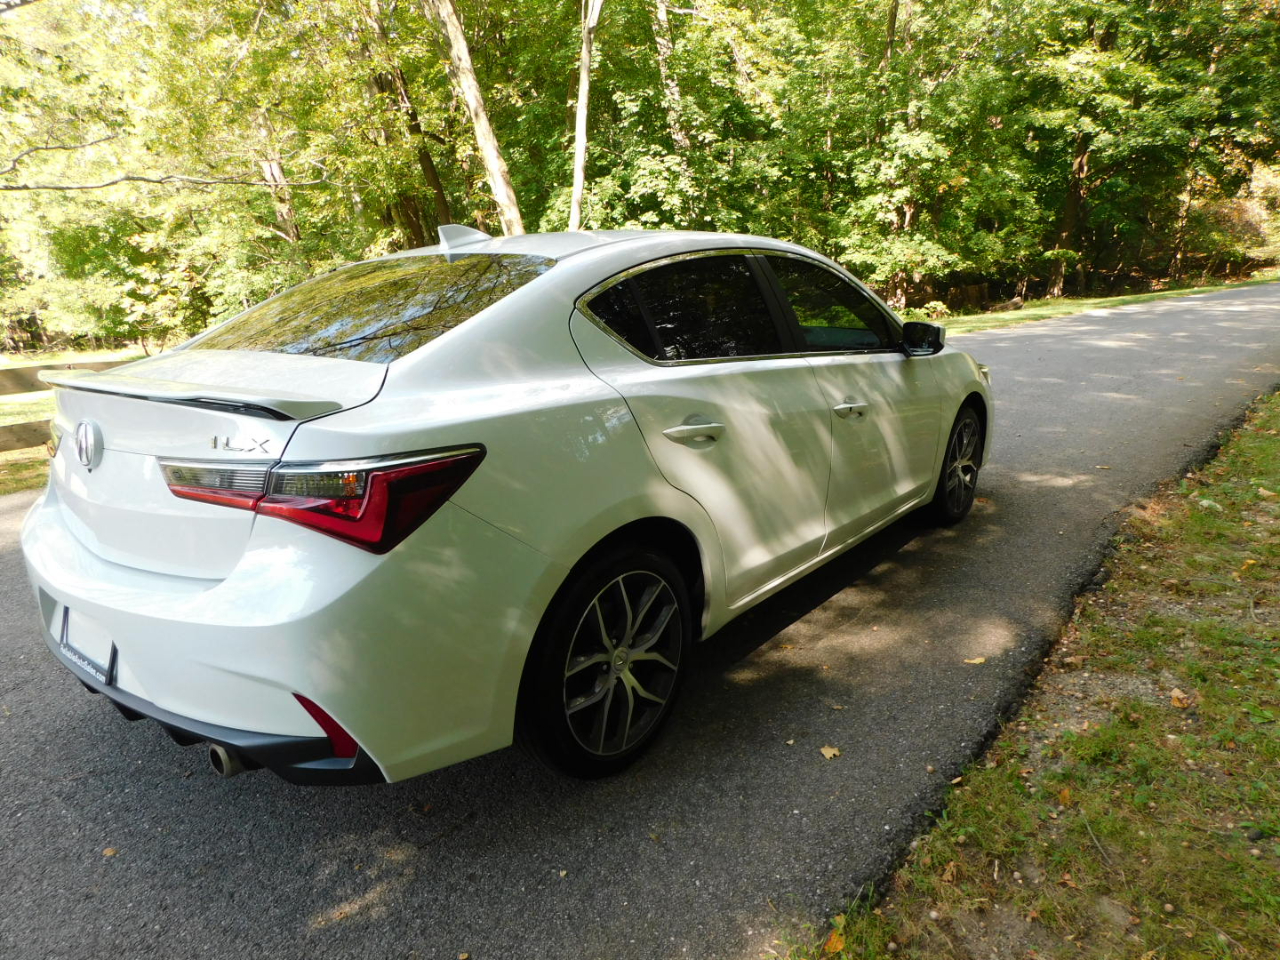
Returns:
(958, 479)
(606, 664)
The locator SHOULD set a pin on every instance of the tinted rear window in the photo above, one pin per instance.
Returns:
(707, 308)
(378, 311)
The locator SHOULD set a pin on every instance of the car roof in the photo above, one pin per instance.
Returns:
(561, 246)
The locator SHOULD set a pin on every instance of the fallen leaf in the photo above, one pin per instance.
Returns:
(109, 852)
(977, 660)
(1268, 494)
(837, 706)
(790, 743)
(834, 944)
(957, 779)
(564, 873)
(1179, 699)
(1064, 796)
(831, 752)
(949, 872)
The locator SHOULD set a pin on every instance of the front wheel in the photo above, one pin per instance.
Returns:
(606, 664)
(958, 480)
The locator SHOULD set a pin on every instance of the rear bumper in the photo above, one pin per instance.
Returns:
(416, 654)
(301, 760)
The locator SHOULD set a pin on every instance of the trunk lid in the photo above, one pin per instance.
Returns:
(228, 407)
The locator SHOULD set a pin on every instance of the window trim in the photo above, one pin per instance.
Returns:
(765, 284)
(784, 304)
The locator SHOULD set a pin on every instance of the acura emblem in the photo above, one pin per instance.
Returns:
(88, 443)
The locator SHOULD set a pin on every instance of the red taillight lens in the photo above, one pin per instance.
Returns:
(344, 745)
(374, 508)
(373, 504)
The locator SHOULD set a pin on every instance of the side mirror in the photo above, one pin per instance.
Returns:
(921, 339)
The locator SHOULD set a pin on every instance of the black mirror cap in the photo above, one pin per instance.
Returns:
(922, 339)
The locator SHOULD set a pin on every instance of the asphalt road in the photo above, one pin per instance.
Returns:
(734, 831)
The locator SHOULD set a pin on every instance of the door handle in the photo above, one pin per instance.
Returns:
(691, 432)
(849, 408)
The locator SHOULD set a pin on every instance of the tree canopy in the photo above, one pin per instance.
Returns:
(166, 164)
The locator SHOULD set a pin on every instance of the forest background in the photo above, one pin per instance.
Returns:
(164, 164)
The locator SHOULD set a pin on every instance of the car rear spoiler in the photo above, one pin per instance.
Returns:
(276, 404)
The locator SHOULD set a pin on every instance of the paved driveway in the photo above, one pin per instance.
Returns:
(735, 827)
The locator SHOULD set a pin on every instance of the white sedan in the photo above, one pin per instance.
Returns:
(422, 506)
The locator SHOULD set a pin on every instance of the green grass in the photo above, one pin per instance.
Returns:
(1066, 306)
(67, 356)
(1133, 809)
(23, 470)
(25, 407)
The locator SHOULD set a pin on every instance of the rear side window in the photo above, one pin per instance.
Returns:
(833, 314)
(621, 313)
(696, 309)
(378, 311)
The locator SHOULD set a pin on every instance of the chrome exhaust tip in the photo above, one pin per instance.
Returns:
(225, 763)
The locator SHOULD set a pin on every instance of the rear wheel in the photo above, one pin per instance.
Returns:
(958, 481)
(606, 664)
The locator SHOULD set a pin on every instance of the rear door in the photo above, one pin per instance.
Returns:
(885, 407)
(699, 352)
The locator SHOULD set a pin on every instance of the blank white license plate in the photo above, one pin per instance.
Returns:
(86, 643)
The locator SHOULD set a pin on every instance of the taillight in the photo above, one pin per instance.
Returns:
(373, 504)
(226, 484)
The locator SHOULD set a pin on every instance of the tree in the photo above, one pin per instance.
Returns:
(590, 18)
(464, 76)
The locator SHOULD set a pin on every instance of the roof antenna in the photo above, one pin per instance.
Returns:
(454, 235)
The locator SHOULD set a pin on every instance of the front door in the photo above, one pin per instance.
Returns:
(885, 407)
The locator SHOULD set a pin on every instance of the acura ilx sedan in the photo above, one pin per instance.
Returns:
(422, 506)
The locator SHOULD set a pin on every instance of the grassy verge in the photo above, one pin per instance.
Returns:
(25, 407)
(1133, 810)
(1066, 306)
(23, 470)
(67, 356)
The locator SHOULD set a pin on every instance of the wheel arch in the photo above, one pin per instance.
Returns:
(978, 404)
(663, 535)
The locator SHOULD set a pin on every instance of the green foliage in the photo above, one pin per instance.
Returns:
(997, 142)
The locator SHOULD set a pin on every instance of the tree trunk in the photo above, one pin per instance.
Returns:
(273, 173)
(389, 80)
(891, 31)
(504, 195)
(1072, 208)
(590, 17)
(425, 161)
(670, 85)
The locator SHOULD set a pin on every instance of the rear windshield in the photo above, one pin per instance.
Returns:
(378, 311)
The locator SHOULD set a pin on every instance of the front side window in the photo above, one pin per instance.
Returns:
(377, 311)
(833, 314)
(706, 308)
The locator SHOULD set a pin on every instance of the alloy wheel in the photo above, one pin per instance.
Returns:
(961, 470)
(622, 663)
